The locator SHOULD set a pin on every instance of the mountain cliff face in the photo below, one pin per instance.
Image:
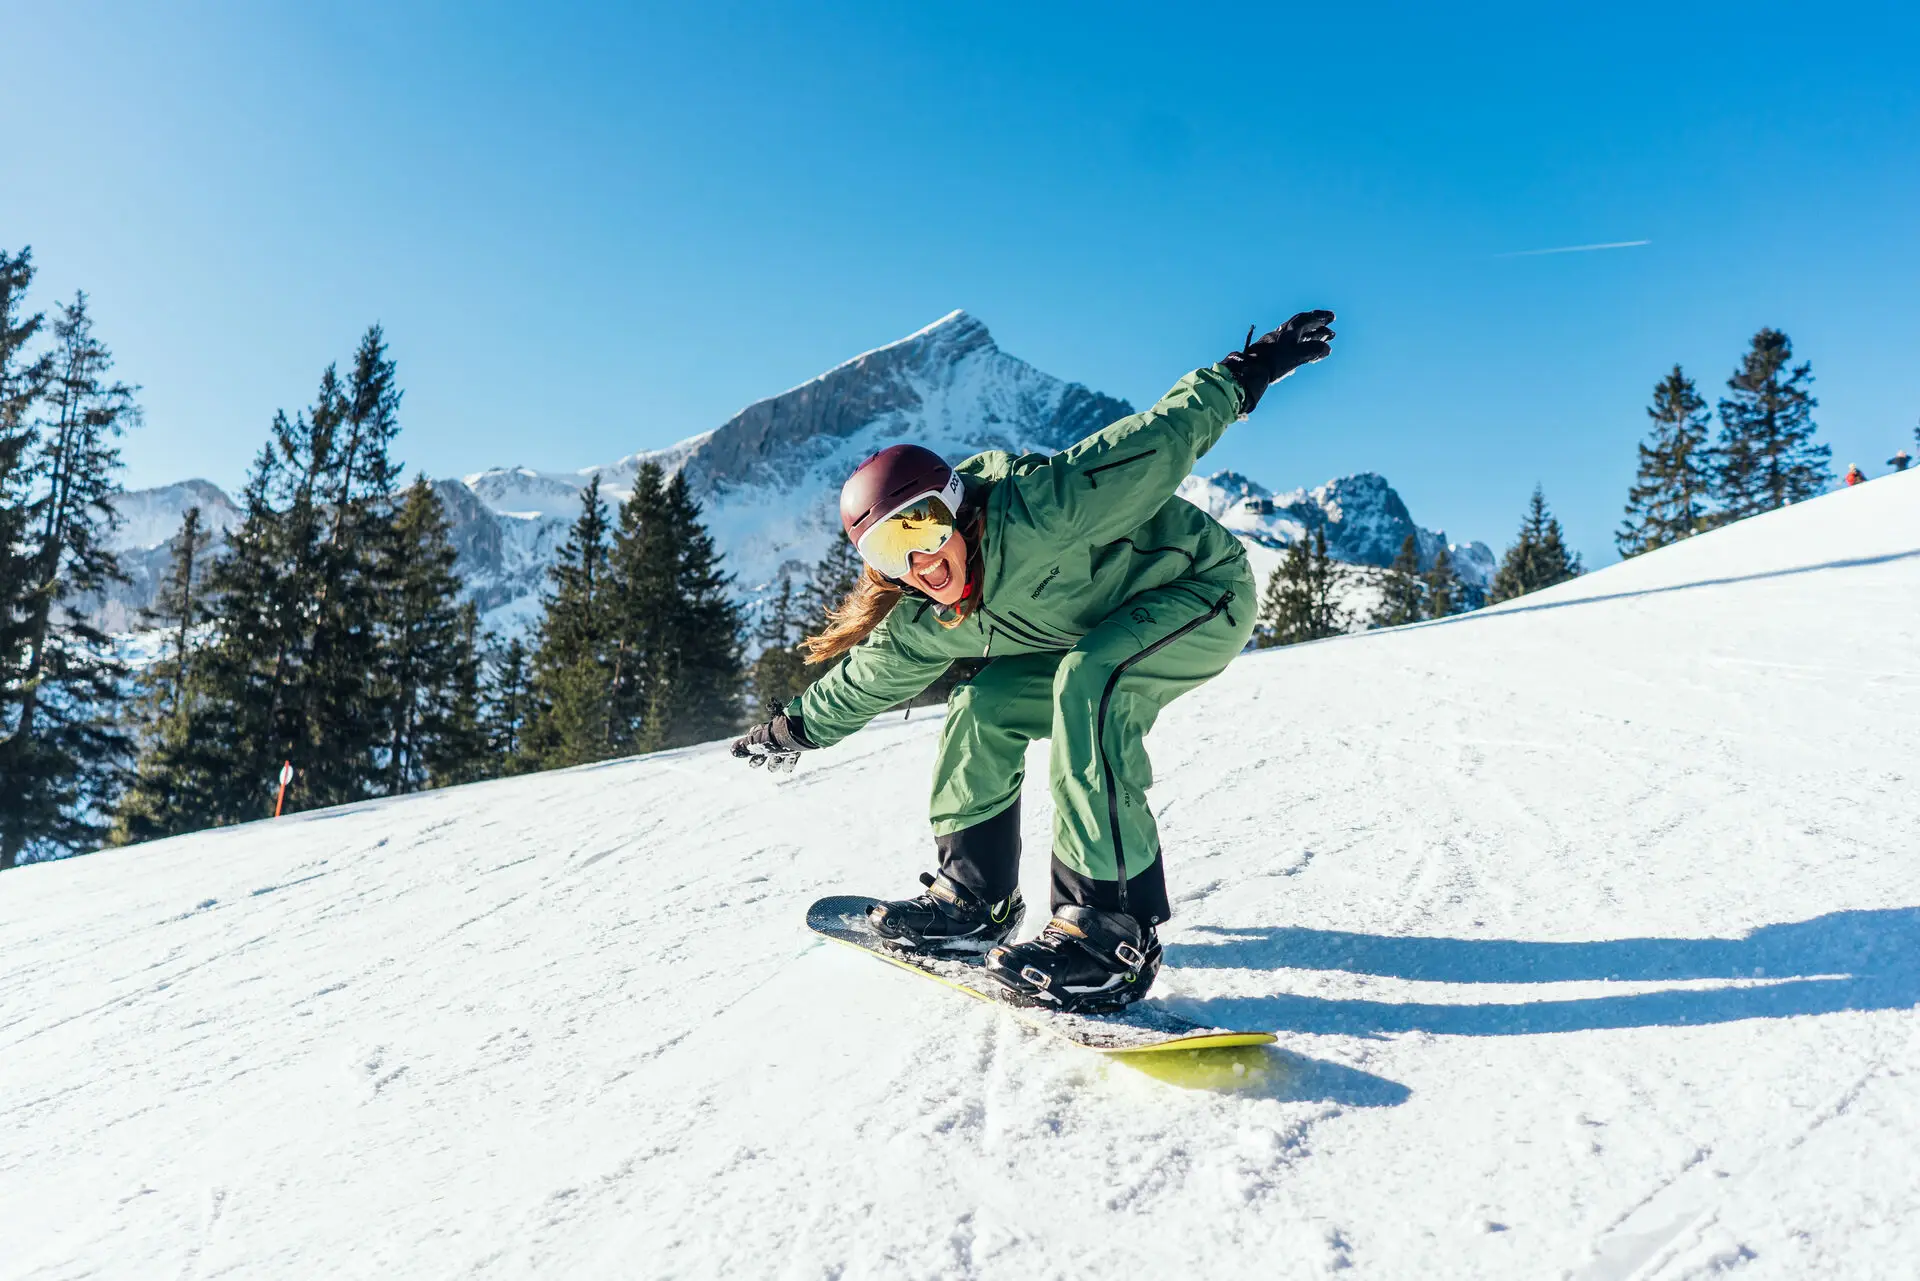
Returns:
(149, 521)
(768, 479)
(1365, 520)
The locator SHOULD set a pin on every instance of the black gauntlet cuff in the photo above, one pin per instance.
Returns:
(789, 734)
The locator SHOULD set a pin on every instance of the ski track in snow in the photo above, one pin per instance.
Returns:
(1590, 927)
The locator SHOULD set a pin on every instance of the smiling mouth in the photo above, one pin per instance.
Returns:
(936, 575)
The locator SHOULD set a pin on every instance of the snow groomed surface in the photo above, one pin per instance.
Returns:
(1589, 926)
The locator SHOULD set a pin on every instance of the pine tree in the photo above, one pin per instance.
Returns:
(194, 767)
(1668, 498)
(1283, 604)
(175, 611)
(1539, 558)
(1443, 586)
(1298, 604)
(1325, 617)
(23, 381)
(16, 573)
(572, 679)
(506, 703)
(345, 706)
(704, 678)
(239, 687)
(779, 672)
(63, 749)
(170, 765)
(364, 471)
(833, 576)
(428, 676)
(1402, 600)
(642, 568)
(675, 655)
(296, 612)
(458, 751)
(1766, 457)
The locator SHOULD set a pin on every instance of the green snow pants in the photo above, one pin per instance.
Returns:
(1096, 702)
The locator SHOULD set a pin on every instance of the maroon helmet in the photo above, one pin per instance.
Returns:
(909, 490)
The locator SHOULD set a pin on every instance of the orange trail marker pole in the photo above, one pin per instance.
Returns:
(286, 776)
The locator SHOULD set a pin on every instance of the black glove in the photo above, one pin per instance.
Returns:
(777, 744)
(1279, 352)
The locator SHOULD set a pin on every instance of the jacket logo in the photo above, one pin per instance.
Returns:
(1140, 614)
(1051, 574)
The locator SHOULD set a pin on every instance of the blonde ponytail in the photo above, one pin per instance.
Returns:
(853, 619)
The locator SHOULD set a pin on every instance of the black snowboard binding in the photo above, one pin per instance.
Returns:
(1085, 962)
(946, 920)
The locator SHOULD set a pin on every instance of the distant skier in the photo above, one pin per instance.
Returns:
(1899, 461)
(1854, 475)
(1098, 597)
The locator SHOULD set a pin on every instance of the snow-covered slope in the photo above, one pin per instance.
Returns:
(769, 478)
(1590, 925)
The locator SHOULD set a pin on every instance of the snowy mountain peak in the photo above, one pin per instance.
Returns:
(149, 521)
(947, 385)
(953, 335)
(768, 478)
(149, 518)
(1365, 520)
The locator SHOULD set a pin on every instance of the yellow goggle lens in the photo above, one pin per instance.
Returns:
(924, 525)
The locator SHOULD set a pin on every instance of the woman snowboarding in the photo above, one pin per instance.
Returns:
(1097, 597)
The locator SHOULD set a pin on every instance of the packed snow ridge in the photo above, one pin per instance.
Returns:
(1589, 923)
(769, 478)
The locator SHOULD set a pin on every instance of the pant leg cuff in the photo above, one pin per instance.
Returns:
(984, 859)
(1146, 897)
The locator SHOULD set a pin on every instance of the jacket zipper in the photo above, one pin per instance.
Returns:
(1202, 596)
(1100, 731)
(1093, 471)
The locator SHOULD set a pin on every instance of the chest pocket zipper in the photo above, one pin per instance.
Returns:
(1094, 471)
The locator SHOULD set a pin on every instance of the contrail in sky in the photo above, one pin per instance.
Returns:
(1575, 249)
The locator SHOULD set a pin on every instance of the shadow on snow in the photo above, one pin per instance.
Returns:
(1859, 960)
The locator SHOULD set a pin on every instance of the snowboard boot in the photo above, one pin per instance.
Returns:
(1085, 961)
(947, 920)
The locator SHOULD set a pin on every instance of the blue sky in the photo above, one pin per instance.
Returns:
(591, 229)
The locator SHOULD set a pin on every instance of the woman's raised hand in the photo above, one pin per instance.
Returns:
(1278, 352)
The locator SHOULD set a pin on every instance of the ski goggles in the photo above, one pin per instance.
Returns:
(922, 524)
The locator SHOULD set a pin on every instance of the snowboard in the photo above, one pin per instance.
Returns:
(1134, 1033)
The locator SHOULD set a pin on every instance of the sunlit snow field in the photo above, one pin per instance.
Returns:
(1590, 927)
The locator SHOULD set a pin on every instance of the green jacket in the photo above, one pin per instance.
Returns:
(1068, 538)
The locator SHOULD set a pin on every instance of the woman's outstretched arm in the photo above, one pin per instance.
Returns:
(1121, 475)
